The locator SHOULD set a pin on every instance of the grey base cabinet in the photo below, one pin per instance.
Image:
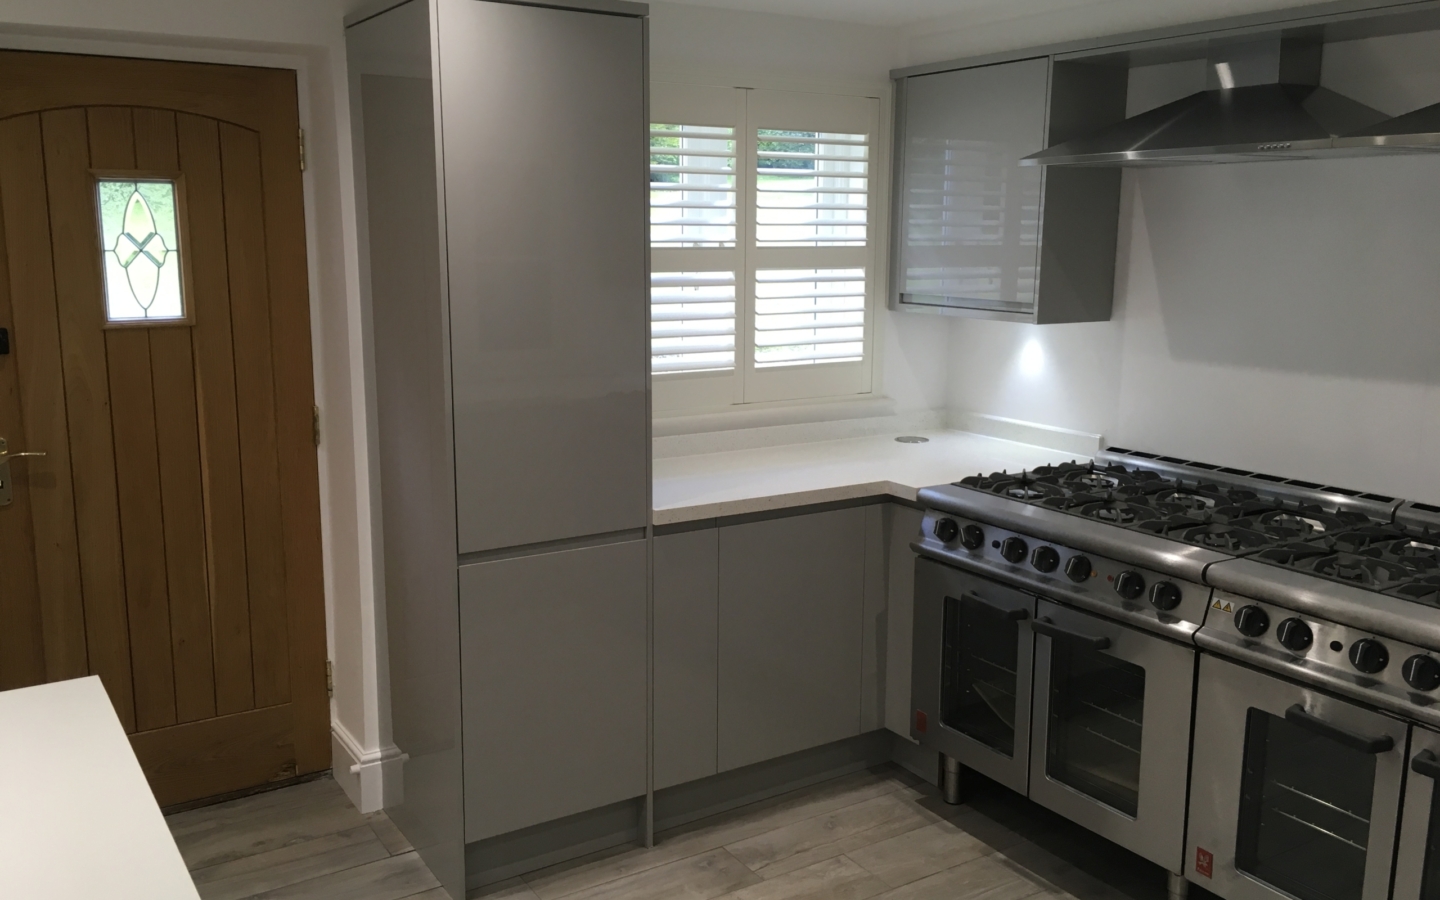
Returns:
(686, 656)
(552, 659)
(791, 609)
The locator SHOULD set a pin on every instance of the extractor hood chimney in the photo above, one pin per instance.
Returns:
(1263, 102)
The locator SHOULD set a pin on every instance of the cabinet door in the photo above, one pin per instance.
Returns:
(971, 213)
(903, 526)
(791, 610)
(686, 651)
(552, 657)
(544, 137)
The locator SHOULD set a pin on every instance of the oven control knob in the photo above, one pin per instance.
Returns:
(1251, 621)
(1294, 635)
(1078, 568)
(1014, 550)
(971, 537)
(1130, 584)
(1046, 559)
(1369, 656)
(1165, 596)
(947, 530)
(1421, 672)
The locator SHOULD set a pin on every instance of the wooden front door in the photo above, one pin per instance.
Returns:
(169, 539)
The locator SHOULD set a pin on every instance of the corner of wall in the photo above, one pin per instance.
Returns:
(372, 780)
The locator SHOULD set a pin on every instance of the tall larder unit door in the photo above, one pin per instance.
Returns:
(545, 164)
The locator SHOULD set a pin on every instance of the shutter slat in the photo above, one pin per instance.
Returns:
(782, 192)
(704, 172)
(687, 339)
(799, 320)
(856, 140)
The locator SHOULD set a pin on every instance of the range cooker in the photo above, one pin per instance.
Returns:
(1224, 671)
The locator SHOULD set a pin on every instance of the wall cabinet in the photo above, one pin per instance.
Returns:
(978, 234)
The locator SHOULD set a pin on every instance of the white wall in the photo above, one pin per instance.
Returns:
(1279, 316)
(308, 36)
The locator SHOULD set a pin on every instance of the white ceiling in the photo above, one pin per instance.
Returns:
(901, 13)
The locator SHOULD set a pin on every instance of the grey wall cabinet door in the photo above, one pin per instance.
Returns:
(791, 611)
(552, 656)
(971, 223)
(686, 655)
(545, 191)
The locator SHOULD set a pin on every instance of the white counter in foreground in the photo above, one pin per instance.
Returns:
(77, 819)
(711, 485)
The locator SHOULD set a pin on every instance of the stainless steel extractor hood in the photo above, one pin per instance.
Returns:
(1414, 132)
(1264, 102)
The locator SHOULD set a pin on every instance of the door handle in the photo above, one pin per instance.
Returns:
(6, 496)
(1014, 615)
(1425, 763)
(5, 453)
(1044, 626)
(1297, 715)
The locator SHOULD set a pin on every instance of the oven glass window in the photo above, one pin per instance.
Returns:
(1097, 711)
(1430, 877)
(978, 691)
(1304, 810)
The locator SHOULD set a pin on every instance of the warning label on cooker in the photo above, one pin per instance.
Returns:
(1223, 607)
(1204, 862)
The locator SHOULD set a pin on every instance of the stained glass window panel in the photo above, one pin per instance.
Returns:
(140, 250)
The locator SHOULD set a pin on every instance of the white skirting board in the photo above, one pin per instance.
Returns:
(372, 779)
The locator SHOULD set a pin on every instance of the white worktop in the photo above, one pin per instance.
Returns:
(733, 482)
(77, 819)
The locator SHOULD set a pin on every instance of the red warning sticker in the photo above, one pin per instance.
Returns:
(921, 721)
(1204, 862)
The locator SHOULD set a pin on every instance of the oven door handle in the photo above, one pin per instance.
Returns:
(1364, 744)
(1425, 763)
(1043, 625)
(1014, 615)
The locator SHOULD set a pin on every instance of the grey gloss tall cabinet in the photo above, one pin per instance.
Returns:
(501, 153)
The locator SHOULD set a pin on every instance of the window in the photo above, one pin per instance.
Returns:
(761, 245)
(140, 224)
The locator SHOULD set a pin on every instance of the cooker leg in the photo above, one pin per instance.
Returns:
(1176, 887)
(951, 784)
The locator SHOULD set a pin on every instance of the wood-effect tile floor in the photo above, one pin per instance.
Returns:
(875, 834)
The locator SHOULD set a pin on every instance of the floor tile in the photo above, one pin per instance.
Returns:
(395, 842)
(230, 832)
(700, 877)
(717, 831)
(509, 889)
(288, 865)
(391, 878)
(980, 879)
(808, 841)
(920, 853)
(833, 879)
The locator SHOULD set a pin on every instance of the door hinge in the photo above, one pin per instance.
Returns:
(316, 423)
(329, 678)
(302, 149)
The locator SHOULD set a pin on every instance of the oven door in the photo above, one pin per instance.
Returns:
(1294, 793)
(971, 671)
(1112, 730)
(1417, 861)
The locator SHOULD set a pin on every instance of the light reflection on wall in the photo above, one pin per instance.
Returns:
(1032, 358)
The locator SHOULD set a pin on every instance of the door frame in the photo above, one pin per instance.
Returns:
(367, 742)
